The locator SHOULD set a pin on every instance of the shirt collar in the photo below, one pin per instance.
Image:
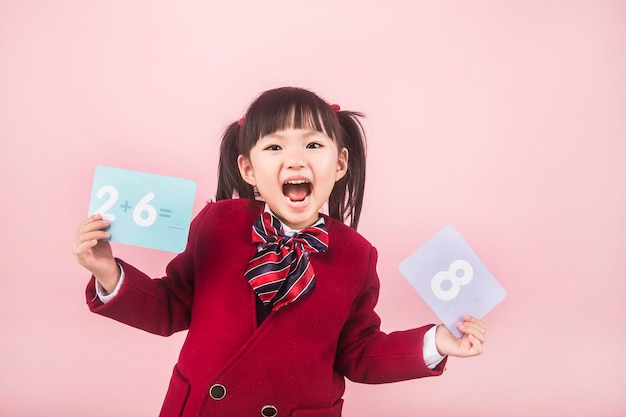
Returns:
(286, 229)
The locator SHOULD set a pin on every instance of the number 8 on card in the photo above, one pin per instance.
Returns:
(449, 276)
(148, 210)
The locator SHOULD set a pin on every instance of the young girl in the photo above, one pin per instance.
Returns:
(278, 299)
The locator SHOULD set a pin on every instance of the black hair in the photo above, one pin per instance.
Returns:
(291, 107)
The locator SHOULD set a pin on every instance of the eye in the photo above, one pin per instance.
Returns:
(314, 145)
(272, 148)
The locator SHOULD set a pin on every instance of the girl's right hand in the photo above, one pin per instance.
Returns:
(94, 253)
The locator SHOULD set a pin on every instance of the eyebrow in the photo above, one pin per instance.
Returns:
(306, 134)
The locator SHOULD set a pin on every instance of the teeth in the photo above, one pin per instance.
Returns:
(297, 182)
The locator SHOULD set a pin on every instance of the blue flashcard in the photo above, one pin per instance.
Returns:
(451, 279)
(148, 210)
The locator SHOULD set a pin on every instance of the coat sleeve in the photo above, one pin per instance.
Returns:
(162, 305)
(368, 355)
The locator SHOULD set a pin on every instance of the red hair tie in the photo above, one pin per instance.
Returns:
(240, 121)
(335, 107)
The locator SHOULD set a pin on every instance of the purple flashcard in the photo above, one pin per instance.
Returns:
(448, 275)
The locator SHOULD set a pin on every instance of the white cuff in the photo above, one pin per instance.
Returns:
(432, 358)
(101, 292)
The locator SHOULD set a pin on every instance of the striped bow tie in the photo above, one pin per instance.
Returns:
(280, 273)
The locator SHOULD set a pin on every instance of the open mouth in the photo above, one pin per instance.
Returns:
(297, 190)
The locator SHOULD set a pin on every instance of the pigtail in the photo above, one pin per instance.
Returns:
(346, 199)
(229, 182)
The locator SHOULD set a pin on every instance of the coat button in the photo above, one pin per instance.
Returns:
(217, 391)
(269, 411)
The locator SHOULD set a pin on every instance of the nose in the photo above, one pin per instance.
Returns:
(295, 159)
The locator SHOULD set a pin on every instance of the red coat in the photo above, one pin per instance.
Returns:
(296, 361)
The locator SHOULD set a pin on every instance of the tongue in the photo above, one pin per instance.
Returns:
(296, 192)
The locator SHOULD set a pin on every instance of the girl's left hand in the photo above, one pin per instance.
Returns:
(471, 344)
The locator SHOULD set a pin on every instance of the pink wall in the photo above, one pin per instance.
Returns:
(506, 119)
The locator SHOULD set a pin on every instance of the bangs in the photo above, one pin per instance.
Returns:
(288, 108)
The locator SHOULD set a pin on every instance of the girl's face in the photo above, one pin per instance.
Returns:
(295, 171)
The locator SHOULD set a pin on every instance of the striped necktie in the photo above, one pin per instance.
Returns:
(280, 272)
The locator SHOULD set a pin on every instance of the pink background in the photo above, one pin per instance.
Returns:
(506, 119)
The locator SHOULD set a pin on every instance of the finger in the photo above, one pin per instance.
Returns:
(474, 320)
(85, 242)
(95, 222)
(90, 219)
(95, 235)
(476, 345)
(91, 235)
(476, 323)
(471, 329)
(83, 250)
(92, 224)
(477, 327)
